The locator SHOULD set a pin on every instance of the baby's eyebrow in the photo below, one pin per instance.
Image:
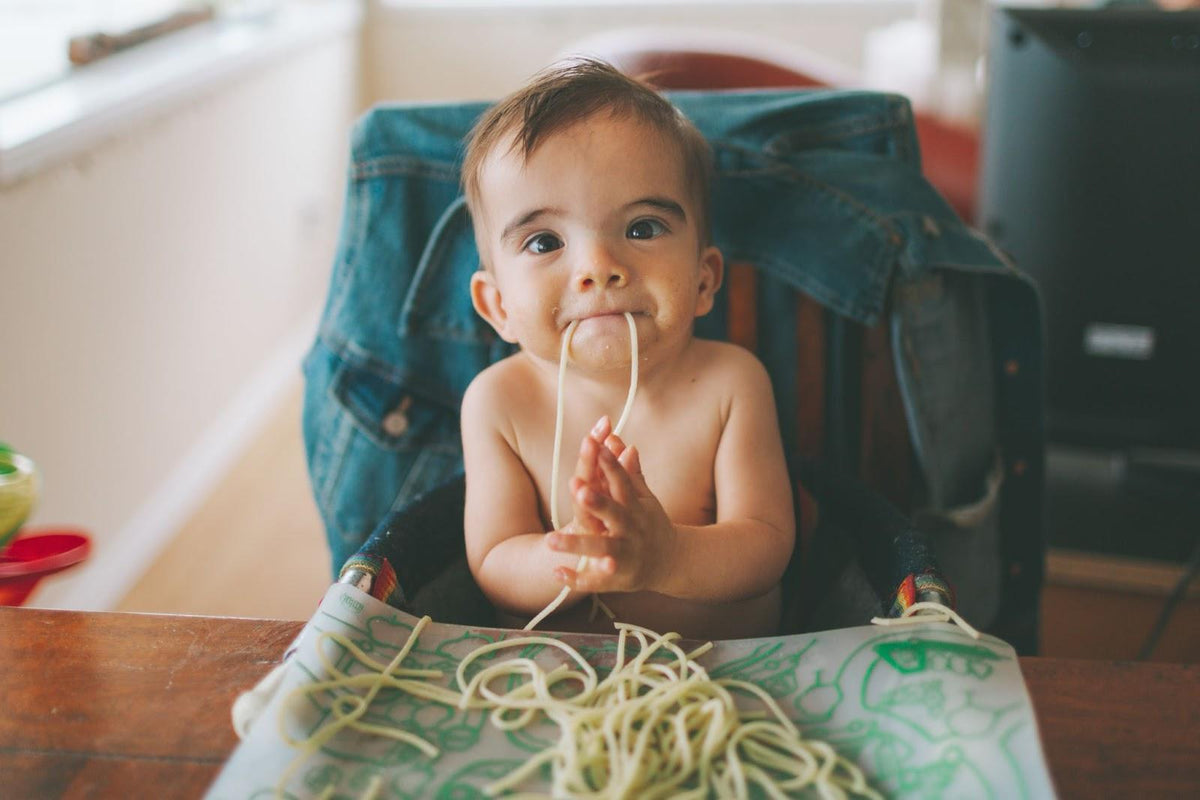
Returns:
(662, 204)
(525, 219)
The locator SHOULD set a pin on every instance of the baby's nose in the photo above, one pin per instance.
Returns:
(601, 270)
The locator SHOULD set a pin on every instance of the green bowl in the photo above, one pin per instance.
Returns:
(18, 492)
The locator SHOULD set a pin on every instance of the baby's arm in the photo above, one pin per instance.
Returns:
(505, 537)
(742, 555)
(745, 553)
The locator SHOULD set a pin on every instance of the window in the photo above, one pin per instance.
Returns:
(34, 34)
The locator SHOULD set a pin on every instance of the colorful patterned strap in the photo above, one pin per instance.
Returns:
(922, 587)
(384, 584)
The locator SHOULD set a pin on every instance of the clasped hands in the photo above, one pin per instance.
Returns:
(619, 524)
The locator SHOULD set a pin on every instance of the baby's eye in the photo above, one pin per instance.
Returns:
(543, 243)
(645, 229)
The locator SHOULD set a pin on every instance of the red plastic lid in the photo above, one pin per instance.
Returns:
(43, 550)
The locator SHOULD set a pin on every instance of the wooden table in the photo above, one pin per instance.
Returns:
(137, 705)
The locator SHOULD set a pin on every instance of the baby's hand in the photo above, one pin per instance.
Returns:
(587, 474)
(635, 539)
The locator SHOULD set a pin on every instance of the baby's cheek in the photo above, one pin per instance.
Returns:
(541, 342)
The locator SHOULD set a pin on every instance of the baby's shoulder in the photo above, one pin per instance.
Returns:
(496, 380)
(497, 386)
(729, 365)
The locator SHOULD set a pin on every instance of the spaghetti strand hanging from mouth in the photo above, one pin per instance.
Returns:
(560, 405)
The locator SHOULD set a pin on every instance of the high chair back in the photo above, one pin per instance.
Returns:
(904, 351)
(710, 59)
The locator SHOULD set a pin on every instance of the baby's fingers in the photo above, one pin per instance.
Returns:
(587, 468)
(631, 460)
(614, 444)
(594, 577)
(614, 515)
(601, 429)
(586, 465)
(619, 484)
(585, 521)
(584, 545)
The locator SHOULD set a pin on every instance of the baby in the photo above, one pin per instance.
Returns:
(589, 196)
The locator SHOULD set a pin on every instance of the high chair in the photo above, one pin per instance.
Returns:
(904, 350)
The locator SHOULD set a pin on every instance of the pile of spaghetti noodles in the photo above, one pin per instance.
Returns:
(656, 725)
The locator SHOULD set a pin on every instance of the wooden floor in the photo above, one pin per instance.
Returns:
(257, 549)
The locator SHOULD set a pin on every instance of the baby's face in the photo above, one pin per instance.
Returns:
(599, 221)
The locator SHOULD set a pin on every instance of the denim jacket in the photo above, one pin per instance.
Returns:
(823, 192)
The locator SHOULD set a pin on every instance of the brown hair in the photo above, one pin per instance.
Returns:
(571, 92)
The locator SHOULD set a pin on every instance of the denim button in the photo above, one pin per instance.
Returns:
(396, 422)
(1019, 466)
(1012, 367)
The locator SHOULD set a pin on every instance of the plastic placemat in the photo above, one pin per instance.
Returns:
(925, 711)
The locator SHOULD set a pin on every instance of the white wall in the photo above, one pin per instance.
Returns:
(156, 294)
(483, 53)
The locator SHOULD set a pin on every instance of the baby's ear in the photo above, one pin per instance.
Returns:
(485, 296)
(712, 272)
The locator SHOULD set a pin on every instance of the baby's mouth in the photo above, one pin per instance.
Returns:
(607, 315)
(604, 325)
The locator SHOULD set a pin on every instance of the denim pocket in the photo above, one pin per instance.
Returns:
(375, 443)
(966, 539)
(396, 413)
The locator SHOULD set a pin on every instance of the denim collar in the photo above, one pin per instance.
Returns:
(806, 188)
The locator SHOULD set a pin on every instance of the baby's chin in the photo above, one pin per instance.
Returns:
(601, 344)
(601, 356)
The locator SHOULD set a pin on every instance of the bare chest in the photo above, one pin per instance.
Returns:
(678, 451)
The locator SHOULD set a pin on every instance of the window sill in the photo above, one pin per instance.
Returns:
(69, 116)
